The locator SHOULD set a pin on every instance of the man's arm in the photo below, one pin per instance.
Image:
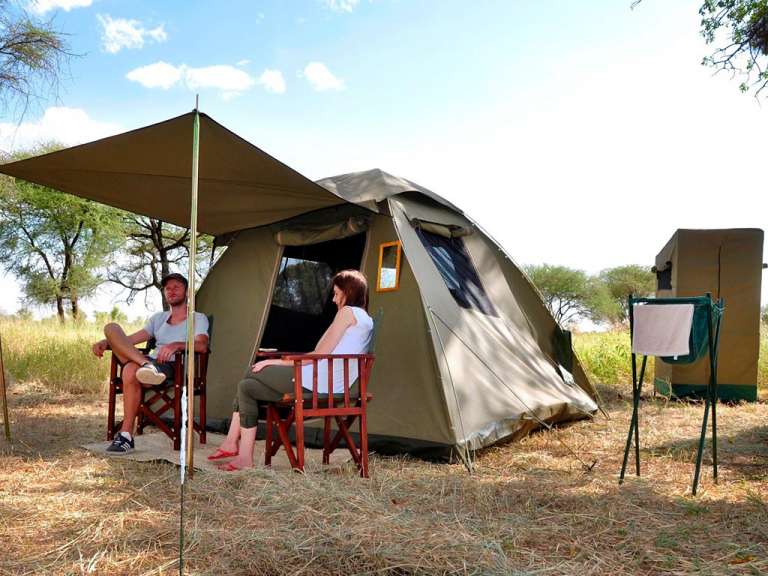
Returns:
(139, 336)
(166, 352)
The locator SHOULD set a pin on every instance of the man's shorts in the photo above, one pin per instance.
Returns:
(163, 367)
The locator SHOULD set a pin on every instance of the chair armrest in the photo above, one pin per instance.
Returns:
(276, 354)
(313, 358)
(299, 357)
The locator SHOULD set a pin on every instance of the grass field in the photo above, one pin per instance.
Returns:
(529, 507)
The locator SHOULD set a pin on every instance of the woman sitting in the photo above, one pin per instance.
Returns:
(269, 380)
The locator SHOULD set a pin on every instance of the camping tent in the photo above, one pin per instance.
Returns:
(728, 264)
(467, 352)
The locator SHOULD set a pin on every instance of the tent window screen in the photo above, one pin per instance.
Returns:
(302, 285)
(455, 266)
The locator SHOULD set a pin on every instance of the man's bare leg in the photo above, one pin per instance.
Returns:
(131, 396)
(121, 346)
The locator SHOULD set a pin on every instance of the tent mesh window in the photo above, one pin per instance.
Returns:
(455, 266)
(302, 285)
(302, 308)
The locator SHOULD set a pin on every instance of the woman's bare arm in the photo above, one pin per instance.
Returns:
(344, 319)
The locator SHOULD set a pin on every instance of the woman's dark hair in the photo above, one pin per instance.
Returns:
(354, 286)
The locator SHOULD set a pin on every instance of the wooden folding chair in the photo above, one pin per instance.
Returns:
(157, 401)
(303, 405)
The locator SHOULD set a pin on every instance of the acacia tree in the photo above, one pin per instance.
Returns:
(739, 30)
(740, 27)
(569, 294)
(32, 54)
(620, 282)
(54, 243)
(153, 250)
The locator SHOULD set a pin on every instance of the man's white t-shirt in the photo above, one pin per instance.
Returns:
(158, 328)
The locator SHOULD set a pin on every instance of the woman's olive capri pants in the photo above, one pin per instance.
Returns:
(267, 385)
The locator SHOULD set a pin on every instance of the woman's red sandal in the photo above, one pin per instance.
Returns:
(221, 454)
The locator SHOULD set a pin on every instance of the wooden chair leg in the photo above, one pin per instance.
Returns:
(111, 411)
(141, 421)
(300, 438)
(327, 440)
(177, 416)
(202, 416)
(268, 439)
(363, 445)
(351, 446)
(283, 426)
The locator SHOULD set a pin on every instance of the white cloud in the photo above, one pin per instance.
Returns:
(43, 6)
(273, 81)
(157, 75)
(226, 78)
(229, 80)
(321, 78)
(243, 62)
(119, 33)
(68, 126)
(341, 5)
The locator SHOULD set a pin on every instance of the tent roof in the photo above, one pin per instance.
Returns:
(371, 186)
(148, 171)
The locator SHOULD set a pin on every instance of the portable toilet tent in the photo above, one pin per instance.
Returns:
(727, 264)
(467, 352)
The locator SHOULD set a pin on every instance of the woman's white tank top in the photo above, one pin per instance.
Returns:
(355, 340)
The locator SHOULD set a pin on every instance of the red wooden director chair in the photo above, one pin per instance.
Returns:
(157, 401)
(303, 405)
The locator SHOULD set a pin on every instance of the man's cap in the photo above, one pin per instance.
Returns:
(174, 276)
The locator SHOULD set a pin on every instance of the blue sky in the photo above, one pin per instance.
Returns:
(595, 121)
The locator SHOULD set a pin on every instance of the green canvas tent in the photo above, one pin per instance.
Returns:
(728, 264)
(467, 352)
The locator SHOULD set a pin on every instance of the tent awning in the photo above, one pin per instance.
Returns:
(148, 171)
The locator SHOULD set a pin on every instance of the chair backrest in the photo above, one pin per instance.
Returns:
(210, 329)
(374, 332)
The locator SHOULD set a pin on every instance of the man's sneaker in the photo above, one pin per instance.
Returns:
(120, 445)
(149, 374)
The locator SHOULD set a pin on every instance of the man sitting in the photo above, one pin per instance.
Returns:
(169, 329)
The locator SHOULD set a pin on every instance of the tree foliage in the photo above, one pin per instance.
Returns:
(622, 281)
(154, 249)
(740, 27)
(568, 293)
(32, 54)
(54, 243)
(573, 295)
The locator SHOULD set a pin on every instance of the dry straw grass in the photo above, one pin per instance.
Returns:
(528, 509)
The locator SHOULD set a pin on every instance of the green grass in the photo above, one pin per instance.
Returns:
(56, 355)
(60, 355)
(606, 357)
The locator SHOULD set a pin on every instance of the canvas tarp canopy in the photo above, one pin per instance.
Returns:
(445, 376)
(148, 171)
